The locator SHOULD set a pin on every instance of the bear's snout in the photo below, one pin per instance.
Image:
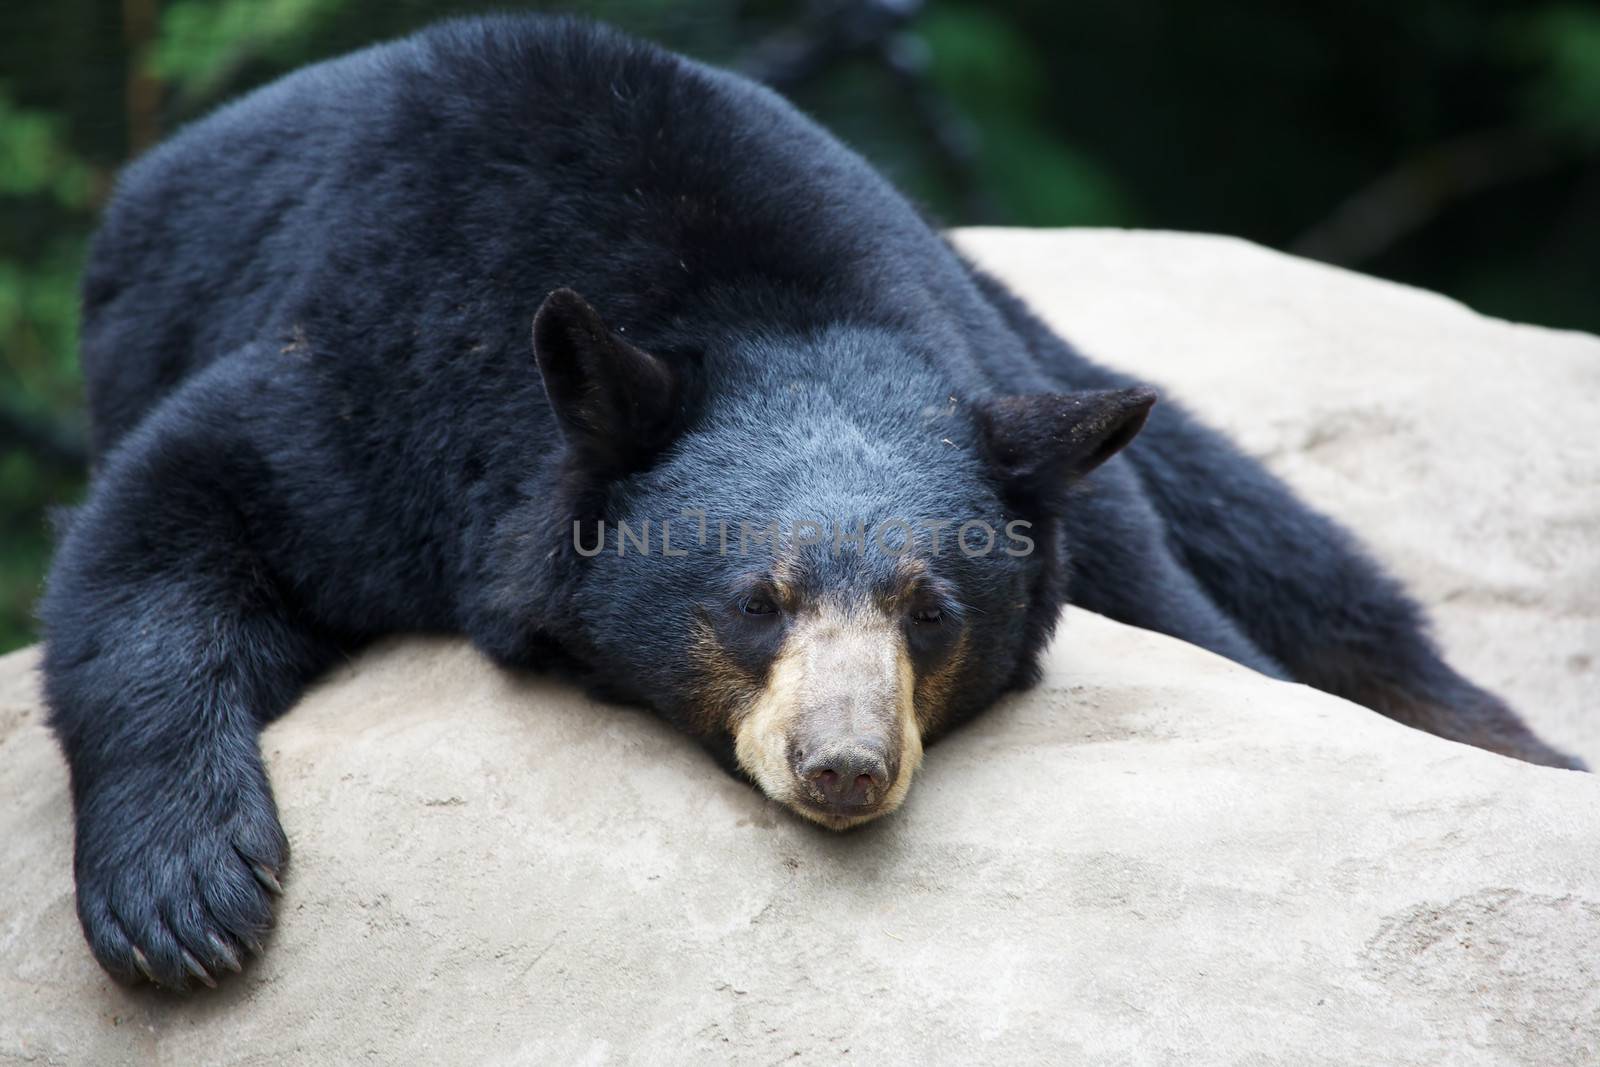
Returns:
(834, 734)
(847, 778)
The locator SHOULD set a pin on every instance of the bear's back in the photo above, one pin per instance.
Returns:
(216, 239)
(383, 213)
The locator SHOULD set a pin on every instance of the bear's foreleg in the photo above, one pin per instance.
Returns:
(169, 643)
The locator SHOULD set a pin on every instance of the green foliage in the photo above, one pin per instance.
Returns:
(24, 485)
(1562, 43)
(39, 328)
(203, 41)
(35, 159)
(1040, 177)
(41, 178)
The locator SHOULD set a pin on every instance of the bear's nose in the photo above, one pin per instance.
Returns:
(846, 778)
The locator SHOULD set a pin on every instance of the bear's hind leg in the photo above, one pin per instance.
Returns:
(1302, 588)
(1296, 584)
(1409, 681)
(1123, 568)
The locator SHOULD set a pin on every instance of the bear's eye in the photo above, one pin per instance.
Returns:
(926, 616)
(757, 604)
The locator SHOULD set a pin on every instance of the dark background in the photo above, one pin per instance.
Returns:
(1453, 145)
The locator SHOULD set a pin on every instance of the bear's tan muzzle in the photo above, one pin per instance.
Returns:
(834, 735)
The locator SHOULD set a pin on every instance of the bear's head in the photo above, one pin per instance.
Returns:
(804, 549)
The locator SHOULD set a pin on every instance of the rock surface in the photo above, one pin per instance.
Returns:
(1156, 857)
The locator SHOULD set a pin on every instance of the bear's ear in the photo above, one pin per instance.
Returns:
(1042, 442)
(617, 405)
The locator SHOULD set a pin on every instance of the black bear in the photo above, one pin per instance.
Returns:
(788, 471)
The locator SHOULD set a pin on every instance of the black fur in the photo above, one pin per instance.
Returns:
(318, 418)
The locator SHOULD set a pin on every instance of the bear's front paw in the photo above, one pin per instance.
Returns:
(175, 884)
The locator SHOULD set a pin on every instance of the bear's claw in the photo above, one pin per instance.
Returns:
(223, 954)
(192, 965)
(266, 877)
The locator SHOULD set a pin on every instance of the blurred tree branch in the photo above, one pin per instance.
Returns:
(139, 23)
(1420, 187)
(879, 31)
(832, 32)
